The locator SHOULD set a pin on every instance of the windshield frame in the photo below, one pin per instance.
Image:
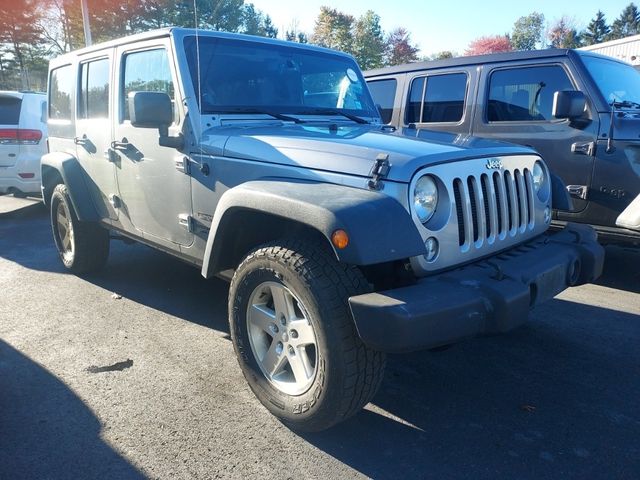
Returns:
(589, 61)
(186, 44)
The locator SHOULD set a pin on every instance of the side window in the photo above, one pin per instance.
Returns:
(94, 89)
(60, 88)
(146, 71)
(384, 94)
(414, 103)
(444, 98)
(525, 94)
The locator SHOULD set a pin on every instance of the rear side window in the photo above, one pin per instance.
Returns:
(525, 94)
(146, 71)
(94, 89)
(437, 99)
(60, 88)
(384, 94)
(10, 110)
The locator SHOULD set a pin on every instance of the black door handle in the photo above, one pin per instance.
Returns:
(80, 140)
(123, 145)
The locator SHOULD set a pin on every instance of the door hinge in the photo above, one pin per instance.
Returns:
(578, 191)
(183, 164)
(584, 148)
(187, 222)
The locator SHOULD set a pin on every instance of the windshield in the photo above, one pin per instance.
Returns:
(239, 75)
(617, 81)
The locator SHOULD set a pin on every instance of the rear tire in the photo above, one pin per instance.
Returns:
(295, 338)
(83, 246)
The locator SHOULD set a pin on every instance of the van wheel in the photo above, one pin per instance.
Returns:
(83, 246)
(295, 338)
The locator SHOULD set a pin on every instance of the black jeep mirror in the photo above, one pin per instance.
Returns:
(150, 109)
(568, 104)
(154, 110)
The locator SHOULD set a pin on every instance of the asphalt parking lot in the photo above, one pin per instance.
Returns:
(96, 386)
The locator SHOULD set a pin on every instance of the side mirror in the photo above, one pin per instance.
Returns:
(150, 109)
(569, 104)
(154, 110)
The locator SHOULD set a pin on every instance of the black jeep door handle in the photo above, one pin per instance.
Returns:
(123, 145)
(80, 140)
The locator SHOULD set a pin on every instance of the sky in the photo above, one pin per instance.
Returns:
(440, 25)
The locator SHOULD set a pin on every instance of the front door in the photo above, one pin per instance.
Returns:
(93, 132)
(517, 108)
(154, 194)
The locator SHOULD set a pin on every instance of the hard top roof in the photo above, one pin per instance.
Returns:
(482, 59)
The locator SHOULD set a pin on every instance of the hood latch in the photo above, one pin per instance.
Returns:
(379, 170)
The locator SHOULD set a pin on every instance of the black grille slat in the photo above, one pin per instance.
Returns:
(484, 180)
(496, 187)
(474, 211)
(458, 200)
(510, 206)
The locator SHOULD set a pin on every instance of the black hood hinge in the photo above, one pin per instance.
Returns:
(379, 170)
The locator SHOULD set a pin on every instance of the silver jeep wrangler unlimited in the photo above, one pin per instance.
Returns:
(265, 162)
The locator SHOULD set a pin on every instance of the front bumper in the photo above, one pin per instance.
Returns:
(490, 296)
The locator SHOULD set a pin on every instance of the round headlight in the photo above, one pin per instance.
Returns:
(425, 198)
(539, 176)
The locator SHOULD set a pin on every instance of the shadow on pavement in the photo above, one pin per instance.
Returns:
(550, 400)
(46, 431)
(621, 269)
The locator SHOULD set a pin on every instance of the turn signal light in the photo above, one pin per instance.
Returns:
(340, 239)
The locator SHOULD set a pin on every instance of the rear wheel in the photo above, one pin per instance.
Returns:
(294, 336)
(83, 246)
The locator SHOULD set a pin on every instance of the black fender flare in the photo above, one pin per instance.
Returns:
(560, 198)
(380, 229)
(63, 166)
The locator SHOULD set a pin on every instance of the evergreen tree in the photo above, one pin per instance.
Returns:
(627, 24)
(597, 30)
(333, 29)
(563, 34)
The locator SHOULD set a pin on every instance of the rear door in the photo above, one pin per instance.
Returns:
(10, 105)
(516, 107)
(93, 137)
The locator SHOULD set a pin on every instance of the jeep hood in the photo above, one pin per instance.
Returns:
(348, 149)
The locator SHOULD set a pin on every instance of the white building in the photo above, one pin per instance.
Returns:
(625, 49)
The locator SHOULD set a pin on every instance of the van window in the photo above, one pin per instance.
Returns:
(441, 101)
(10, 110)
(146, 71)
(525, 94)
(384, 94)
(94, 89)
(60, 88)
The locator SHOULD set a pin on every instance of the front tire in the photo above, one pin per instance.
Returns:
(295, 338)
(83, 246)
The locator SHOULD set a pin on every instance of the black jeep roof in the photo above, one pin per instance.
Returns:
(479, 60)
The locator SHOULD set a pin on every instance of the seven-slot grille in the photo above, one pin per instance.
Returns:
(493, 205)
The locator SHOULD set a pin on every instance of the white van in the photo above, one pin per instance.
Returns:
(23, 134)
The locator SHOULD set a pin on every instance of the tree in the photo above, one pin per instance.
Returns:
(368, 41)
(491, 44)
(627, 24)
(254, 22)
(563, 34)
(399, 48)
(527, 32)
(442, 55)
(333, 30)
(597, 30)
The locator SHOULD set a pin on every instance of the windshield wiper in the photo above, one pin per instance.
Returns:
(254, 111)
(625, 104)
(329, 111)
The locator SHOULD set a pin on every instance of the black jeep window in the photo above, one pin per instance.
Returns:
(525, 94)
(414, 103)
(60, 88)
(384, 94)
(441, 101)
(444, 98)
(94, 89)
(146, 71)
